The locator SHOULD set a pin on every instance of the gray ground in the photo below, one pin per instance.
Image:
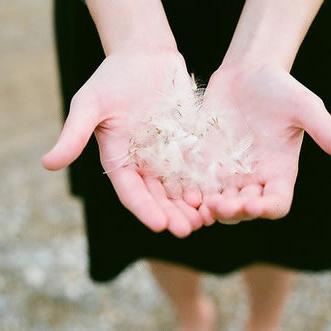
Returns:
(43, 283)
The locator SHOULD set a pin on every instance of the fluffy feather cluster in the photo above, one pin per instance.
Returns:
(183, 142)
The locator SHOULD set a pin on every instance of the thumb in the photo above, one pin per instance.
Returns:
(77, 130)
(317, 123)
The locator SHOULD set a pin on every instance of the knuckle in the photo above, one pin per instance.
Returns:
(273, 213)
(75, 101)
(159, 226)
(318, 101)
(83, 99)
(284, 212)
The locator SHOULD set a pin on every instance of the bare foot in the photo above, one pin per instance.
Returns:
(203, 318)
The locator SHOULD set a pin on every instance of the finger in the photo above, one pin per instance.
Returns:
(77, 130)
(317, 122)
(250, 195)
(192, 195)
(191, 214)
(206, 215)
(277, 198)
(253, 208)
(134, 195)
(227, 209)
(173, 189)
(177, 222)
(230, 192)
(251, 191)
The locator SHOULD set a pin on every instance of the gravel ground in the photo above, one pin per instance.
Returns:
(43, 280)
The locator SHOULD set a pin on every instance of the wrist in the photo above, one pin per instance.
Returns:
(128, 25)
(132, 46)
(254, 61)
(270, 32)
(152, 60)
(255, 49)
(238, 67)
(243, 75)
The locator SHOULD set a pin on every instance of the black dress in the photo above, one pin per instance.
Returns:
(203, 30)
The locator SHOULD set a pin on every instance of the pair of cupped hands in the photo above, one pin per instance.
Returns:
(276, 107)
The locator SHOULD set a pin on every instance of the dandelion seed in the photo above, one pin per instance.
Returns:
(181, 141)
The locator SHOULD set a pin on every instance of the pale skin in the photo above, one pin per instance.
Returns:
(254, 79)
(137, 45)
(138, 67)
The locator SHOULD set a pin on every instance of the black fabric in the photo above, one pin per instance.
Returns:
(203, 30)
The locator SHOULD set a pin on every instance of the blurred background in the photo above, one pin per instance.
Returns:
(43, 281)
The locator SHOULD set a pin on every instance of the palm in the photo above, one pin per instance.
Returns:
(112, 101)
(276, 109)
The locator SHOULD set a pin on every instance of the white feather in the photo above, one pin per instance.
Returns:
(182, 141)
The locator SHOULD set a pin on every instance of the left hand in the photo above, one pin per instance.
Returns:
(277, 109)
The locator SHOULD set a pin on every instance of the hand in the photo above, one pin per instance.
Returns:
(277, 109)
(112, 99)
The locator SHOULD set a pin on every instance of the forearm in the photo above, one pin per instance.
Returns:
(271, 32)
(131, 24)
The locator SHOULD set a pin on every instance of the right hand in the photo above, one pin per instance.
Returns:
(121, 88)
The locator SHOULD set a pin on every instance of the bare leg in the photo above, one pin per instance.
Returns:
(268, 288)
(195, 311)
